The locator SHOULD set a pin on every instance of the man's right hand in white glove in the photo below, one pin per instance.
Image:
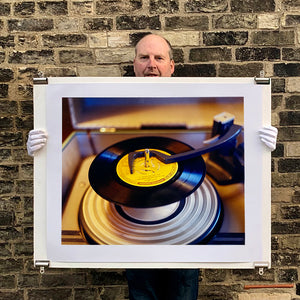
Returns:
(37, 139)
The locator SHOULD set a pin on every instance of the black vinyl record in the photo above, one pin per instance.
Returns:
(186, 176)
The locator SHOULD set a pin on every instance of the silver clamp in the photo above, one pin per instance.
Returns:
(42, 264)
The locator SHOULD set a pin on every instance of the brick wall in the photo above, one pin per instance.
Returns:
(95, 38)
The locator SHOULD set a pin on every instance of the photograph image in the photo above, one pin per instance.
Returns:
(161, 171)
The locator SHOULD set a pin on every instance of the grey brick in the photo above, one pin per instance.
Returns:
(195, 70)
(117, 6)
(291, 211)
(284, 259)
(64, 40)
(291, 4)
(7, 282)
(96, 24)
(27, 74)
(53, 294)
(30, 24)
(7, 41)
(249, 275)
(164, 6)
(12, 295)
(274, 243)
(6, 218)
(25, 91)
(24, 8)
(5, 250)
(2, 57)
(60, 72)
(210, 54)
(24, 187)
(53, 8)
(27, 280)
(5, 9)
(215, 275)
(287, 275)
(138, 22)
(9, 139)
(116, 277)
(85, 293)
(276, 101)
(8, 107)
(65, 279)
(26, 171)
(8, 172)
(234, 21)
(32, 57)
(11, 265)
(287, 165)
(3, 90)
(250, 6)
(83, 7)
(290, 133)
(206, 6)
(296, 198)
(286, 227)
(114, 292)
(6, 75)
(178, 55)
(5, 154)
(28, 231)
(76, 56)
(278, 85)
(12, 203)
(279, 151)
(292, 20)
(24, 123)
(289, 118)
(287, 69)
(218, 291)
(26, 107)
(257, 54)
(28, 41)
(273, 38)
(225, 38)
(7, 234)
(243, 70)
(291, 54)
(187, 23)
(23, 249)
(293, 102)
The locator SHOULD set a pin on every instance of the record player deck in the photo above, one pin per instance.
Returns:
(154, 184)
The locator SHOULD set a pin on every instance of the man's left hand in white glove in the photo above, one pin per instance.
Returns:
(268, 135)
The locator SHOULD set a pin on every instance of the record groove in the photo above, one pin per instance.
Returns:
(105, 181)
(196, 219)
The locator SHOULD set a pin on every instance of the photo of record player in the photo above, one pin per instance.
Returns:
(153, 171)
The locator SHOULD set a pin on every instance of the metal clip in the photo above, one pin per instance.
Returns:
(261, 271)
(262, 79)
(42, 265)
(259, 80)
(40, 80)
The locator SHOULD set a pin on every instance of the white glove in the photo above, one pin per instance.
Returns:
(268, 135)
(37, 139)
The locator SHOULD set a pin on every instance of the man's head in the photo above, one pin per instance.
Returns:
(153, 57)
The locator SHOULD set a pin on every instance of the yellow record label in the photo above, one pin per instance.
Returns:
(147, 171)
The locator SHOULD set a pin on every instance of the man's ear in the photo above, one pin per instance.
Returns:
(172, 66)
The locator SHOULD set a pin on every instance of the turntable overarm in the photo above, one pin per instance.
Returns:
(215, 143)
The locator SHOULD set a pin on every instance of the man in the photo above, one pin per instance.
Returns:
(154, 58)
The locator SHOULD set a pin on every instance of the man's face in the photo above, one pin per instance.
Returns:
(152, 58)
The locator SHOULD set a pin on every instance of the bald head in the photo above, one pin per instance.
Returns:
(153, 57)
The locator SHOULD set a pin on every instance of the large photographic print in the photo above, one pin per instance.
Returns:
(140, 172)
(195, 200)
